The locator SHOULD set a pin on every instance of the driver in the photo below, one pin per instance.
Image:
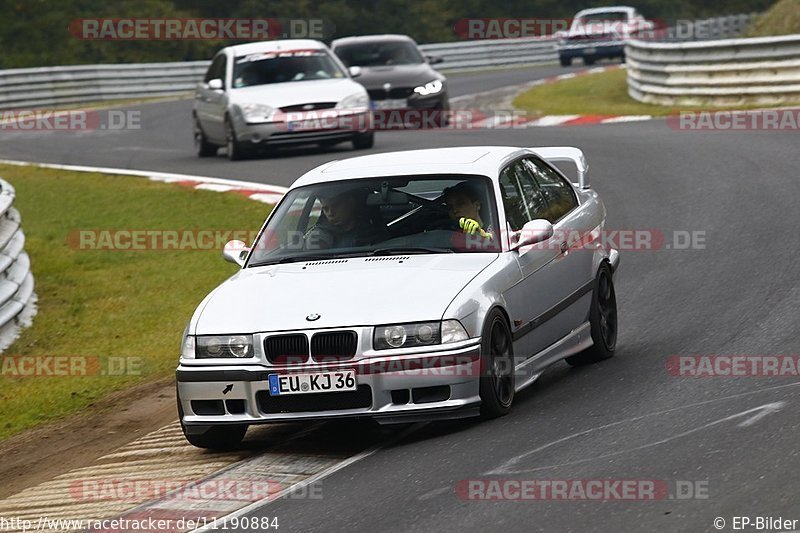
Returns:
(463, 207)
(345, 224)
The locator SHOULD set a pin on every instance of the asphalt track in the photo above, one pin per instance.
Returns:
(627, 418)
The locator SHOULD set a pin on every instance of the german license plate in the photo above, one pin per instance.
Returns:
(310, 383)
(589, 51)
(391, 104)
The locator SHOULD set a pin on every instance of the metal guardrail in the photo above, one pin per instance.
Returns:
(17, 300)
(74, 85)
(762, 70)
(59, 86)
(493, 53)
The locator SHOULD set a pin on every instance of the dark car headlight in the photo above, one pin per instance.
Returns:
(430, 88)
(218, 347)
(417, 334)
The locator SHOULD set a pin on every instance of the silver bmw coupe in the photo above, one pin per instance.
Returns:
(404, 286)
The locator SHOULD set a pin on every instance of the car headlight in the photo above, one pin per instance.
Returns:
(354, 101)
(432, 87)
(222, 346)
(418, 334)
(256, 112)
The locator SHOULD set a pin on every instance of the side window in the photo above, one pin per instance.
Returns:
(522, 199)
(557, 192)
(217, 69)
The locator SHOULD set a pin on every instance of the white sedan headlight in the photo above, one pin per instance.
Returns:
(432, 87)
(418, 334)
(354, 101)
(256, 112)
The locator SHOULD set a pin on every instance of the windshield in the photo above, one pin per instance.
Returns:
(381, 216)
(600, 22)
(381, 53)
(606, 16)
(284, 66)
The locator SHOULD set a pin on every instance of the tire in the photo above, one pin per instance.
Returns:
(588, 60)
(202, 147)
(362, 141)
(236, 150)
(565, 61)
(602, 319)
(497, 367)
(222, 438)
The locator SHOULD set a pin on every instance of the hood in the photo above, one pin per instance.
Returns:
(398, 76)
(296, 92)
(346, 292)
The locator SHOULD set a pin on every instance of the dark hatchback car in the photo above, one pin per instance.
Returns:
(394, 71)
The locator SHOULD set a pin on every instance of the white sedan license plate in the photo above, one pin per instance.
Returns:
(391, 104)
(310, 124)
(283, 384)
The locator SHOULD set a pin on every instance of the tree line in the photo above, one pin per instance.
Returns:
(37, 32)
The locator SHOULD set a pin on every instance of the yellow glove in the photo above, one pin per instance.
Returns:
(472, 227)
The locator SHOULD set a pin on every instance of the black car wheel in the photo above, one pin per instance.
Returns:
(236, 150)
(602, 319)
(202, 147)
(497, 367)
(362, 141)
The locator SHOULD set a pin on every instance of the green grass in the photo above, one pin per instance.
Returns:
(603, 93)
(783, 18)
(102, 303)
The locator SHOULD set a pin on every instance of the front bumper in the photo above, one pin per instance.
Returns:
(304, 128)
(397, 388)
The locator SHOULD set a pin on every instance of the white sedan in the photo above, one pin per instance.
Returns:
(275, 93)
(403, 286)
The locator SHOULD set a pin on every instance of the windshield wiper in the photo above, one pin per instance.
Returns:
(412, 250)
(295, 259)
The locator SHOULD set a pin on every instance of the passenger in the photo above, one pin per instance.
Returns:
(464, 208)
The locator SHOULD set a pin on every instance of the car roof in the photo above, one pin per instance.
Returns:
(480, 160)
(605, 9)
(371, 39)
(274, 46)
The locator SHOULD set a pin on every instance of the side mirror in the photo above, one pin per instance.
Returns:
(532, 232)
(434, 60)
(215, 84)
(354, 71)
(235, 252)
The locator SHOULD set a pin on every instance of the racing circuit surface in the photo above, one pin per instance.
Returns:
(627, 418)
